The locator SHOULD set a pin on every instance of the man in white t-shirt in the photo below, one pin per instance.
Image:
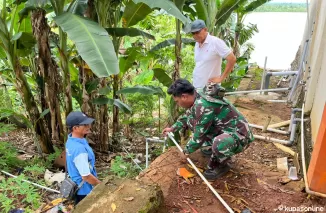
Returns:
(209, 51)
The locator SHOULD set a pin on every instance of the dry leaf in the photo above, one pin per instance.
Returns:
(185, 174)
(113, 207)
(120, 187)
(138, 189)
(201, 170)
(128, 198)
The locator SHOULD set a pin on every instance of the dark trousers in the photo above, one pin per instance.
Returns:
(78, 198)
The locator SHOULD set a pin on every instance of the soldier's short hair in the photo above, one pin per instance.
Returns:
(181, 86)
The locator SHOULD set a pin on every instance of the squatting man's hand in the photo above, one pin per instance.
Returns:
(185, 155)
(167, 130)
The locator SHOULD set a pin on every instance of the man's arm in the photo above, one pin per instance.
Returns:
(201, 128)
(91, 179)
(180, 124)
(231, 60)
(82, 165)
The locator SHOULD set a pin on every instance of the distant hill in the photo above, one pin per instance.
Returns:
(282, 7)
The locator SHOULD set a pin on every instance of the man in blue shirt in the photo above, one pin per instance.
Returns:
(80, 157)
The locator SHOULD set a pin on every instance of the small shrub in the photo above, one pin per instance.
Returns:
(122, 168)
(5, 128)
(34, 171)
(18, 194)
(8, 157)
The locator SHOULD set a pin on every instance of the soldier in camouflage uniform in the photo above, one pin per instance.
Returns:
(214, 121)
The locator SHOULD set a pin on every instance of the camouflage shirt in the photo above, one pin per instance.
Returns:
(209, 117)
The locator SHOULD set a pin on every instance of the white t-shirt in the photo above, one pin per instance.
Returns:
(208, 59)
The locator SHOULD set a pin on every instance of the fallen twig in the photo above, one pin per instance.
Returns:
(240, 187)
(194, 210)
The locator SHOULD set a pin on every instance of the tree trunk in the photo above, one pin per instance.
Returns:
(115, 124)
(66, 72)
(177, 51)
(49, 71)
(104, 123)
(126, 129)
(41, 133)
(236, 50)
(176, 72)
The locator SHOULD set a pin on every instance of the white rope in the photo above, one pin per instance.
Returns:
(132, 159)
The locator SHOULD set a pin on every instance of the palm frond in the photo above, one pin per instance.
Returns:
(247, 32)
(226, 9)
(254, 5)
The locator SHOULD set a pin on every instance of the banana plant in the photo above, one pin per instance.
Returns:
(111, 16)
(147, 90)
(12, 39)
(245, 32)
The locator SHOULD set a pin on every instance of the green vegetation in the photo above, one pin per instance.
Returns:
(112, 59)
(14, 192)
(18, 194)
(8, 157)
(282, 7)
(124, 167)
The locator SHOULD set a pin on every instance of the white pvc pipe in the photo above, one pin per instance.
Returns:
(277, 101)
(157, 140)
(256, 91)
(303, 159)
(269, 129)
(282, 73)
(35, 184)
(263, 75)
(272, 139)
(201, 176)
(146, 153)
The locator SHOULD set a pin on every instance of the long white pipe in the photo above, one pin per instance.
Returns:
(303, 159)
(202, 177)
(282, 73)
(35, 184)
(263, 75)
(272, 139)
(278, 101)
(269, 129)
(256, 91)
(157, 140)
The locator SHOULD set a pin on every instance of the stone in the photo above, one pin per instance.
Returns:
(282, 164)
(140, 156)
(147, 198)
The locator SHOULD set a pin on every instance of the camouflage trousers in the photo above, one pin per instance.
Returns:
(226, 145)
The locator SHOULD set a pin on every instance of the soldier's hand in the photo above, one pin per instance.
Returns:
(186, 152)
(167, 130)
(184, 156)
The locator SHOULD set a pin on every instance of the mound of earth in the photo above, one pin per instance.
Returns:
(253, 184)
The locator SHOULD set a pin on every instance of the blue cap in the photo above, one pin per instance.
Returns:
(197, 25)
(78, 118)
